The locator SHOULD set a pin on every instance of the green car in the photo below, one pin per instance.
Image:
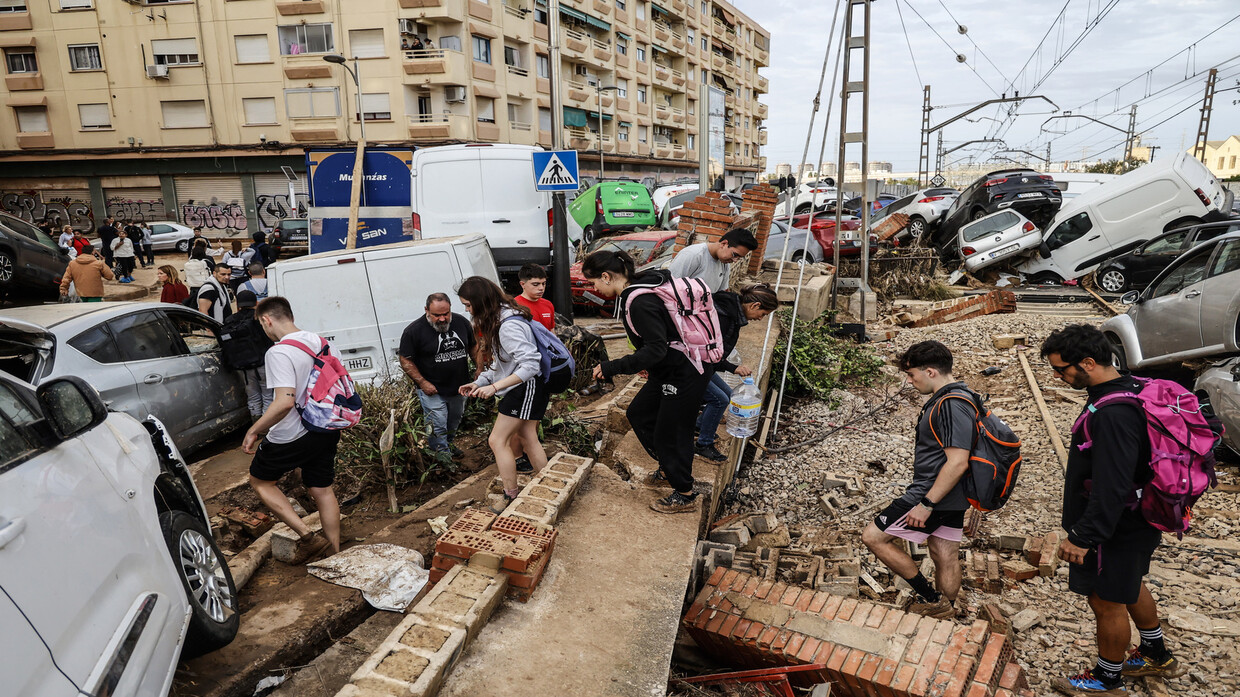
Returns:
(611, 208)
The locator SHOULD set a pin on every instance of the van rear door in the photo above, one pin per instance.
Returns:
(515, 223)
(1202, 180)
(330, 295)
(447, 191)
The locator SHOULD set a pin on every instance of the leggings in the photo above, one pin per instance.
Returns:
(662, 415)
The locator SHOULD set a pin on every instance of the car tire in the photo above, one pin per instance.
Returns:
(1119, 358)
(183, 246)
(1046, 277)
(802, 209)
(587, 235)
(916, 227)
(207, 581)
(978, 214)
(1112, 280)
(7, 268)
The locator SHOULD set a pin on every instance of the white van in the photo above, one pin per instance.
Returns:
(1114, 217)
(362, 299)
(486, 188)
(1073, 184)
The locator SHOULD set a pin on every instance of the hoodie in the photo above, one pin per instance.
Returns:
(517, 353)
(86, 273)
(649, 327)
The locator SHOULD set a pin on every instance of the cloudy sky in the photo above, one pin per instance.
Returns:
(1097, 58)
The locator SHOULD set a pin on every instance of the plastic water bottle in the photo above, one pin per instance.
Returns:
(744, 410)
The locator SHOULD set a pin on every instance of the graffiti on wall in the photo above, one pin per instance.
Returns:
(215, 215)
(58, 209)
(272, 208)
(133, 210)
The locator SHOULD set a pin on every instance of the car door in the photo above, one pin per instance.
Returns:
(163, 237)
(1168, 320)
(1157, 254)
(39, 260)
(1219, 323)
(225, 386)
(96, 356)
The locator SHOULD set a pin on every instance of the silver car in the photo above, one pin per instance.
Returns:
(1191, 310)
(796, 244)
(1220, 385)
(996, 237)
(143, 358)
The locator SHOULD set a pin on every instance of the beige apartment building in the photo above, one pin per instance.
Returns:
(1223, 157)
(187, 110)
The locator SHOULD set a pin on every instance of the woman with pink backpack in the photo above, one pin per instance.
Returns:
(676, 350)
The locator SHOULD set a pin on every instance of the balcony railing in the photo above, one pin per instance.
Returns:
(518, 71)
(519, 126)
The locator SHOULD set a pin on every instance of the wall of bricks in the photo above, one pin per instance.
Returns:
(704, 219)
(867, 649)
(761, 200)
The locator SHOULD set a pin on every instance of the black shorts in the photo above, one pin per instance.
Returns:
(1115, 568)
(529, 400)
(946, 525)
(314, 454)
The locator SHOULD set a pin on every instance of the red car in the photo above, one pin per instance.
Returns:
(823, 228)
(644, 247)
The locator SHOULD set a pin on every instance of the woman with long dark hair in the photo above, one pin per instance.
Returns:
(662, 414)
(506, 344)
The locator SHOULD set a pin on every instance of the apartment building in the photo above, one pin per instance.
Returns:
(187, 110)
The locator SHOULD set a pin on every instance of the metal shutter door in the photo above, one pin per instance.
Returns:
(214, 203)
(136, 205)
(271, 192)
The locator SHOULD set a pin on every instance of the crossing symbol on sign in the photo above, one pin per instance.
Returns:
(555, 170)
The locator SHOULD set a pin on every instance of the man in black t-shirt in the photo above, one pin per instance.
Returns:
(434, 352)
(107, 233)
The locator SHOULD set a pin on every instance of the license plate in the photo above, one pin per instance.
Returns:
(1032, 194)
(1004, 250)
(362, 363)
(622, 214)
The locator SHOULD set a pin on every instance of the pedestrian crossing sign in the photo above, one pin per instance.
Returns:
(555, 170)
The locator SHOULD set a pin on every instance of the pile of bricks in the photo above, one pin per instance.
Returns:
(704, 219)
(890, 225)
(868, 649)
(996, 301)
(760, 199)
(523, 549)
(1043, 552)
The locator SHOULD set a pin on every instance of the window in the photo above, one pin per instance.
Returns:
(85, 57)
(366, 43)
(259, 110)
(704, 44)
(312, 102)
(514, 112)
(540, 14)
(377, 106)
(622, 46)
(641, 95)
(544, 65)
(544, 119)
(147, 336)
(689, 74)
(199, 336)
(622, 88)
(705, 7)
(95, 117)
(450, 42)
(1166, 245)
(641, 53)
(641, 134)
(621, 5)
(1190, 270)
(74, 4)
(691, 141)
(512, 56)
(186, 113)
(1220, 162)
(296, 39)
(989, 225)
(252, 48)
(175, 51)
(20, 60)
(12, 6)
(482, 48)
(1232, 164)
(703, 76)
(486, 109)
(1228, 259)
(692, 37)
(1068, 231)
(692, 107)
(32, 119)
(622, 133)
(641, 9)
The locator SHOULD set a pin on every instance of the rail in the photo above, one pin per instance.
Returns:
(518, 70)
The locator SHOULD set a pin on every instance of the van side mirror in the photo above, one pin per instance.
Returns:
(1044, 250)
(1132, 297)
(71, 406)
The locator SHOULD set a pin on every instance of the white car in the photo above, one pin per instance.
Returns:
(662, 194)
(165, 236)
(107, 564)
(996, 237)
(1220, 385)
(810, 195)
(923, 208)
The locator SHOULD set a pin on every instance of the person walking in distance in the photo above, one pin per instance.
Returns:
(65, 241)
(173, 291)
(1109, 543)
(87, 273)
(533, 280)
(506, 343)
(197, 270)
(107, 233)
(198, 239)
(662, 414)
(434, 352)
(122, 252)
(280, 441)
(711, 261)
(934, 504)
(244, 344)
(213, 297)
(147, 253)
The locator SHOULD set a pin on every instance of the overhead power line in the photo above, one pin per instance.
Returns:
(950, 47)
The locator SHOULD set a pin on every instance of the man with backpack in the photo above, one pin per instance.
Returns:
(213, 298)
(931, 511)
(711, 261)
(257, 283)
(244, 345)
(286, 442)
(1110, 542)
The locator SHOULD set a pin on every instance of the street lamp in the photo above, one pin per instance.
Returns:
(357, 82)
(598, 93)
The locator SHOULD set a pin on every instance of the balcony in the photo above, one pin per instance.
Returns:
(579, 93)
(15, 21)
(300, 7)
(762, 57)
(729, 67)
(762, 137)
(602, 9)
(576, 43)
(489, 132)
(643, 148)
(678, 115)
(542, 32)
(519, 83)
(436, 66)
(624, 147)
(602, 51)
(438, 127)
(717, 60)
(431, 11)
(762, 110)
(731, 160)
(17, 82)
(763, 85)
(518, 23)
(662, 32)
(314, 131)
(663, 150)
(606, 99)
(578, 138)
(545, 139)
(724, 31)
(678, 151)
(729, 99)
(662, 74)
(35, 140)
(678, 42)
(678, 78)
(622, 60)
(678, 7)
(663, 113)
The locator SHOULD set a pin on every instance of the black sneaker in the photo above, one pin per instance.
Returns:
(524, 466)
(676, 502)
(710, 452)
(456, 452)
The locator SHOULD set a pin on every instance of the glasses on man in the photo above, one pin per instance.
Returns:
(1060, 369)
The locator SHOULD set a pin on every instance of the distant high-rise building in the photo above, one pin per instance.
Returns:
(783, 169)
(876, 167)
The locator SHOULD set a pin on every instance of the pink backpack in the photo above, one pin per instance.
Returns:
(332, 403)
(1181, 451)
(692, 308)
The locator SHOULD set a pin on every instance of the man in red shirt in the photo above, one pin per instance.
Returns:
(533, 284)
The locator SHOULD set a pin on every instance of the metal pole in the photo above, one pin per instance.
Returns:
(357, 82)
(598, 104)
(561, 294)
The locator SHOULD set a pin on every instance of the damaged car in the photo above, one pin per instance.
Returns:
(996, 237)
(144, 358)
(1032, 194)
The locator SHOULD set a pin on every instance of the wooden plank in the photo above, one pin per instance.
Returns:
(355, 195)
(1053, 432)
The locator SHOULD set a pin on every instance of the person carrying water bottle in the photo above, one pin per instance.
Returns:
(662, 414)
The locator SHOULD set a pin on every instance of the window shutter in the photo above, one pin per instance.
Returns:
(253, 48)
(325, 103)
(190, 113)
(32, 119)
(259, 109)
(95, 115)
(13, 5)
(366, 43)
(168, 47)
(377, 103)
(297, 102)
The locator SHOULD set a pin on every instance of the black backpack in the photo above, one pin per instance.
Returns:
(243, 342)
(994, 460)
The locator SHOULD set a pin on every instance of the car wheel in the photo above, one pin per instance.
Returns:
(207, 582)
(802, 209)
(1118, 357)
(183, 246)
(1112, 280)
(6, 268)
(587, 235)
(798, 256)
(916, 227)
(1046, 277)
(978, 214)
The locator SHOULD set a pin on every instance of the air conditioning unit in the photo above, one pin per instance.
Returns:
(455, 93)
(157, 71)
(407, 26)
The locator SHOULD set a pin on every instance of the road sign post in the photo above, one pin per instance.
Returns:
(556, 171)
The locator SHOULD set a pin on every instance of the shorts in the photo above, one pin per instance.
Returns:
(314, 453)
(945, 525)
(529, 400)
(1114, 569)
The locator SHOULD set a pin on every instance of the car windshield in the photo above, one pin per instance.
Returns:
(26, 229)
(638, 249)
(294, 224)
(989, 225)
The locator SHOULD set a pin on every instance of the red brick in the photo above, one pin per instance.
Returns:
(917, 646)
(777, 592)
(819, 600)
(891, 620)
(904, 678)
(833, 605)
(925, 670)
(808, 649)
(978, 631)
(959, 682)
(861, 614)
(869, 668)
(836, 662)
(827, 658)
(952, 652)
(804, 600)
(763, 589)
(1004, 693)
(876, 617)
(755, 630)
(938, 683)
(694, 610)
(793, 647)
(846, 609)
(1013, 677)
(739, 584)
(715, 621)
(739, 629)
(849, 670)
(781, 641)
(728, 578)
(789, 597)
(988, 668)
(725, 629)
(750, 586)
(767, 637)
(908, 623)
(978, 690)
(884, 676)
(942, 631)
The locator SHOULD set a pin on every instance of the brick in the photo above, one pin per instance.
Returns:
(717, 577)
(430, 648)
(952, 652)
(925, 670)
(1018, 570)
(527, 553)
(869, 667)
(978, 690)
(988, 668)
(808, 649)
(942, 631)
(846, 610)
(751, 586)
(794, 645)
(763, 590)
(736, 534)
(849, 670)
(904, 678)
(715, 620)
(876, 617)
(521, 528)
(908, 623)
(728, 624)
(462, 544)
(1013, 677)
(818, 601)
(790, 596)
(728, 578)
(531, 576)
(833, 605)
(473, 520)
(921, 640)
(464, 598)
(767, 637)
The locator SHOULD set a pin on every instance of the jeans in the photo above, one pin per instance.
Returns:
(443, 416)
(714, 403)
(258, 395)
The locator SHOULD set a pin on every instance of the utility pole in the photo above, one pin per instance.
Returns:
(1130, 142)
(1152, 148)
(923, 162)
(1203, 128)
(561, 294)
(861, 136)
(1048, 155)
(938, 159)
